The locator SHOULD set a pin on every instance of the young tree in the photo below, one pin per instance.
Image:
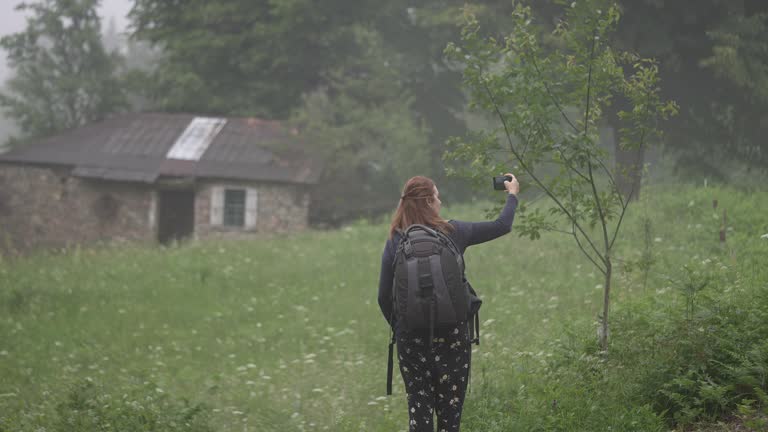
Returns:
(63, 75)
(548, 105)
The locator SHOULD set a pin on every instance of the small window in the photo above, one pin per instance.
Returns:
(234, 207)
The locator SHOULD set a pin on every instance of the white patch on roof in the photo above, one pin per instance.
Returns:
(196, 138)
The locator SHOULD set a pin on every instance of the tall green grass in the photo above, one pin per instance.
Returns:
(285, 334)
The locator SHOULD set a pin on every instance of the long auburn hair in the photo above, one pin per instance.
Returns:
(414, 207)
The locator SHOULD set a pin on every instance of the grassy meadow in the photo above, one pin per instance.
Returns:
(284, 333)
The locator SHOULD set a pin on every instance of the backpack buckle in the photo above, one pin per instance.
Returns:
(425, 280)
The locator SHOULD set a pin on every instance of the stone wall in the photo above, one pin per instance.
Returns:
(281, 208)
(47, 207)
(44, 207)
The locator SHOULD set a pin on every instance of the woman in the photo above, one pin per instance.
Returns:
(435, 375)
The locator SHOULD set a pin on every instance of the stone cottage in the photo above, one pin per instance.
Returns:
(151, 177)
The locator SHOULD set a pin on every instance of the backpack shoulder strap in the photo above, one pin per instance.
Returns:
(421, 227)
(450, 241)
(390, 359)
(452, 244)
(398, 245)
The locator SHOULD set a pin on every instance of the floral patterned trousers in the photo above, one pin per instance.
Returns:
(435, 377)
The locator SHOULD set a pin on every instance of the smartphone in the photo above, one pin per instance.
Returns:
(498, 182)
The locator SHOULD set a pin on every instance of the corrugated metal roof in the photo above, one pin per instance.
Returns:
(245, 141)
(144, 134)
(134, 147)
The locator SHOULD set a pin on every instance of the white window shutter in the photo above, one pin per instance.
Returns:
(217, 205)
(251, 207)
(152, 209)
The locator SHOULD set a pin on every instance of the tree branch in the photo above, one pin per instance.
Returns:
(569, 164)
(533, 176)
(584, 251)
(632, 190)
(612, 180)
(558, 231)
(600, 212)
(551, 95)
(621, 216)
(629, 199)
(589, 83)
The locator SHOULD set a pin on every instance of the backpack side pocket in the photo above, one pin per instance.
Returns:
(474, 300)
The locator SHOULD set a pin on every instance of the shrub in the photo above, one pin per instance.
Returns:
(89, 406)
(700, 353)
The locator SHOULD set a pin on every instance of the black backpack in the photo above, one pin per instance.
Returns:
(429, 288)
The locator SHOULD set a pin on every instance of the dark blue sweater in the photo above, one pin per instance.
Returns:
(465, 235)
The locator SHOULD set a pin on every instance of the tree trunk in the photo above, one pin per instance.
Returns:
(603, 330)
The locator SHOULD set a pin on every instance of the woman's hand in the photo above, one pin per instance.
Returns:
(513, 187)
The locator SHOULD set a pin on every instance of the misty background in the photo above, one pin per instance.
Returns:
(13, 21)
(370, 88)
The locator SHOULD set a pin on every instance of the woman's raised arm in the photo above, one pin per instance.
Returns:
(481, 232)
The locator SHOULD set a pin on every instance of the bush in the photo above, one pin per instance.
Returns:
(701, 352)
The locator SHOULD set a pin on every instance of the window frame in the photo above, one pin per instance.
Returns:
(227, 211)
